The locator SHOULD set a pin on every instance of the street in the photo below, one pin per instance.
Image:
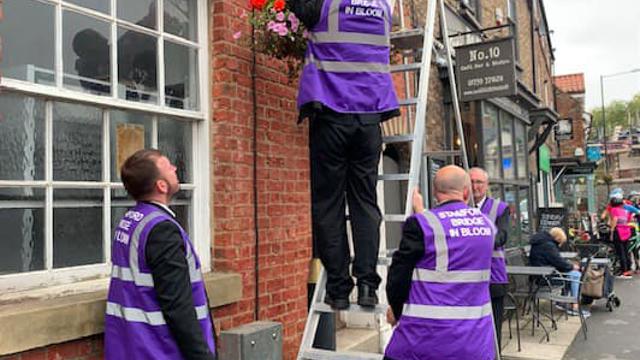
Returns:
(612, 336)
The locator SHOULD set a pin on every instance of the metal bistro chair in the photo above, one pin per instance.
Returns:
(556, 295)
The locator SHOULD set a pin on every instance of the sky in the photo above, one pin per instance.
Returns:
(597, 37)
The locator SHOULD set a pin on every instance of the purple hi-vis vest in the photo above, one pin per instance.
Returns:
(135, 327)
(347, 60)
(448, 312)
(494, 208)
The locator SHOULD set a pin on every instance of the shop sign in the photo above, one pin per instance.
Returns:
(549, 217)
(593, 153)
(486, 70)
(544, 157)
(564, 129)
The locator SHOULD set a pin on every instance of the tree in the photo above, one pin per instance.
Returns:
(618, 113)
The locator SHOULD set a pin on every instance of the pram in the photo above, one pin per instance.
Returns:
(598, 284)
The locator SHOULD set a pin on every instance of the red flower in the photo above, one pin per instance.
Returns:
(278, 5)
(258, 4)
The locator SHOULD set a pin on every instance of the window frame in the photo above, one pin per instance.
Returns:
(199, 185)
(501, 183)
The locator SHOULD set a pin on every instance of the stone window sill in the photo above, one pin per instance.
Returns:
(48, 316)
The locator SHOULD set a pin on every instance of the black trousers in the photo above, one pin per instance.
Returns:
(497, 305)
(344, 169)
(622, 251)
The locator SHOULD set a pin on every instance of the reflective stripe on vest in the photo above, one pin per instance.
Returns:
(333, 35)
(447, 312)
(459, 276)
(439, 242)
(493, 213)
(154, 318)
(347, 66)
(145, 279)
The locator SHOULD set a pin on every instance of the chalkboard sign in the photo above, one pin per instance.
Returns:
(551, 217)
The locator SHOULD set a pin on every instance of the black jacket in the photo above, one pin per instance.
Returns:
(545, 252)
(166, 256)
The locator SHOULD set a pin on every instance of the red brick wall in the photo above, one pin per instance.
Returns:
(568, 107)
(283, 181)
(89, 348)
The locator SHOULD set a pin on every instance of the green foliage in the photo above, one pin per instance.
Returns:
(616, 114)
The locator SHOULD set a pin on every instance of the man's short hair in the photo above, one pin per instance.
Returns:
(481, 170)
(140, 172)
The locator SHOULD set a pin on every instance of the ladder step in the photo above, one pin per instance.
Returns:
(353, 308)
(407, 39)
(397, 139)
(395, 217)
(443, 153)
(393, 177)
(318, 354)
(405, 67)
(409, 101)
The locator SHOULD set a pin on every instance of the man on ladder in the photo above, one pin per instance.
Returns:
(346, 91)
(438, 283)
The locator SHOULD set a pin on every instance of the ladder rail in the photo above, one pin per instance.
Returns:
(421, 107)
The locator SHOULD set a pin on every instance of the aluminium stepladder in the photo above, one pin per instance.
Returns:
(416, 72)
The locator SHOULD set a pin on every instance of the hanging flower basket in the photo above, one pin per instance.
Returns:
(278, 33)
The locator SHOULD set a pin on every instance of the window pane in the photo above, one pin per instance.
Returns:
(495, 191)
(77, 227)
(137, 66)
(22, 137)
(490, 141)
(521, 149)
(28, 43)
(510, 197)
(86, 49)
(140, 12)
(22, 223)
(181, 205)
(180, 18)
(77, 143)
(129, 132)
(174, 140)
(181, 76)
(98, 5)
(523, 197)
(506, 123)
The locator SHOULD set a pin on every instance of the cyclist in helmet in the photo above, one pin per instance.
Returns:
(621, 231)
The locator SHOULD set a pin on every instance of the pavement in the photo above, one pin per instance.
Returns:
(612, 336)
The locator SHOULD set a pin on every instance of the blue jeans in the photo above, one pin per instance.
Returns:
(574, 275)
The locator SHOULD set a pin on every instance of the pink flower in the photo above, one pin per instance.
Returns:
(237, 35)
(283, 31)
(271, 25)
(294, 22)
(280, 16)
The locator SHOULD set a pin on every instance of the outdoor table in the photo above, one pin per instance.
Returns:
(568, 254)
(537, 271)
(531, 270)
(599, 261)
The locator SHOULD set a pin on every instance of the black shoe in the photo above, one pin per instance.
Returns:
(367, 296)
(337, 303)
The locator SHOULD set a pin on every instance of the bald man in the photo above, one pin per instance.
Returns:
(498, 213)
(438, 282)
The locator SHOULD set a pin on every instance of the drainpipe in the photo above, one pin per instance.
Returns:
(254, 98)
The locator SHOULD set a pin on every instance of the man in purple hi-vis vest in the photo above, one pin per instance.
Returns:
(157, 306)
(498, 212)
(438, 282)
(346, 91)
